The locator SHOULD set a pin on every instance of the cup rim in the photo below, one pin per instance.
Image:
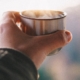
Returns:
(60, 17)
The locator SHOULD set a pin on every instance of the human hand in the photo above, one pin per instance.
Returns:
(35, 47)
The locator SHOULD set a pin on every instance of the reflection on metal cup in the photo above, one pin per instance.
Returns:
(42, 26)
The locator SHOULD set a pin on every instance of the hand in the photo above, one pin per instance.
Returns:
(35, 47)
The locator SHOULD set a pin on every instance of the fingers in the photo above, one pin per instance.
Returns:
(10, 19)
(8, 22)
(54, 41)
(11, 15)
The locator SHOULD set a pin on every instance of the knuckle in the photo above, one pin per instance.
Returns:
(6, 13)
(6, 27)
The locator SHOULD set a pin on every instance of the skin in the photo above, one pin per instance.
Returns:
(35, 47)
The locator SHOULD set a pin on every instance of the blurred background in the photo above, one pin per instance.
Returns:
(66, 64)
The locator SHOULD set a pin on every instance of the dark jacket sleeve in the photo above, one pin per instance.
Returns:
(16, 66)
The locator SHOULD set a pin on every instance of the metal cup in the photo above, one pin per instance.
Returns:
(36, 26)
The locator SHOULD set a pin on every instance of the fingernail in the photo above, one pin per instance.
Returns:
(68, 36)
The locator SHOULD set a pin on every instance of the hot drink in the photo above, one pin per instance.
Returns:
(43, 14)
(42, 22)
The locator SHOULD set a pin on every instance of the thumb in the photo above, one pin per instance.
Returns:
(41, 46)
(53, 41)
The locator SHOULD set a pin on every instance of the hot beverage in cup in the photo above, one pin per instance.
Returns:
(43, 22)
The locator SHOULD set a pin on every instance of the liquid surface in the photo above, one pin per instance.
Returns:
(43, 14)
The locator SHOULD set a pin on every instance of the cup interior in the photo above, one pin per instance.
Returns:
(43, 14)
